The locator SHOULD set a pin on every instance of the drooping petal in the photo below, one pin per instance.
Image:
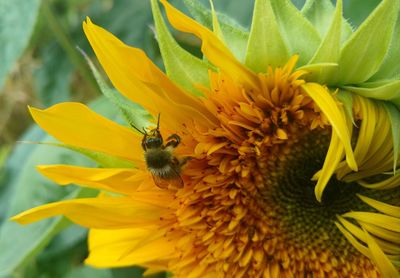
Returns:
(99, 213)
(385, 266)
(328, 105)
(124, 181)
(381, 206)
(216, 52)
(332, 159)
(388, 183)
(388, 222)
(127, 247)
(75, 124)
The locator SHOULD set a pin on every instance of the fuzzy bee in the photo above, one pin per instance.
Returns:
(160, 160)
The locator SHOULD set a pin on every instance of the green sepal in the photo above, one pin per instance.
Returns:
(266, 47)
(299, 34)
(315, 71)
(102, 159)
(394, 116)
(235, 35)
(321, 13)
(382, 90)
(364, 51)
(390, 68)
(346, 98)
(181, 66)
(133, 113)
(329, 50)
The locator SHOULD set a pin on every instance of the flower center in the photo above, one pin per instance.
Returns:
(290, 190)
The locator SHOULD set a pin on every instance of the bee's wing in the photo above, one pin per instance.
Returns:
(173, 181)
(160, 182)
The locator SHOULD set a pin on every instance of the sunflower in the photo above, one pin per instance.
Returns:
(293, 142)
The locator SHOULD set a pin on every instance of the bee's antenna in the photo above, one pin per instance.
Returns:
(158, 121)
(144, 133)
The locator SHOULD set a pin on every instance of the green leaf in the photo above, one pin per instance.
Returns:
(4, 151)
(53, 78)
(133, 113)
(11, 167)
(394, 115)
(235, 35)
(363, 53)
(266, 47)
(181, 66)
(67, 239)
(18, 244)
(17, 20)
(64, 253)
(89, 272)
(299, 34)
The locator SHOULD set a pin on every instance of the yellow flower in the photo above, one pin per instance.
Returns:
(294, 147)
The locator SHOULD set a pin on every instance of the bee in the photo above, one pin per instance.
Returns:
(160, 160)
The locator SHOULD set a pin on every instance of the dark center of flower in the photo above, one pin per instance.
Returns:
(304, 222)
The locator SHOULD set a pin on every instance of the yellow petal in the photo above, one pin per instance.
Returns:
(387, 247)
(115, 248)
(382, 207)
(388, 183)
(75, 124)
(381, 220)
(216, 52)
(332, 159)
(360, 247)
(328, 105)
(99, 213)
(135, 76)
(125, 181)
(383, 263)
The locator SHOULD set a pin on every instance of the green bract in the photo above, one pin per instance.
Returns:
(361, 61)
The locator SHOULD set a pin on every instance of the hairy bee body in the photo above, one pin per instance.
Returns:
(160, 160)
(162, 163)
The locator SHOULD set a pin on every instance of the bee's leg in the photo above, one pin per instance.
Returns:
(173, 140)
(183, 160)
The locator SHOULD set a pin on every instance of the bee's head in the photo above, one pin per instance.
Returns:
(152, 139)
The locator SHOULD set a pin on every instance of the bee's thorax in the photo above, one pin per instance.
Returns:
(157, 158)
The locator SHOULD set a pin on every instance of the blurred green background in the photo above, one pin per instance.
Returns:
(40, 66)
